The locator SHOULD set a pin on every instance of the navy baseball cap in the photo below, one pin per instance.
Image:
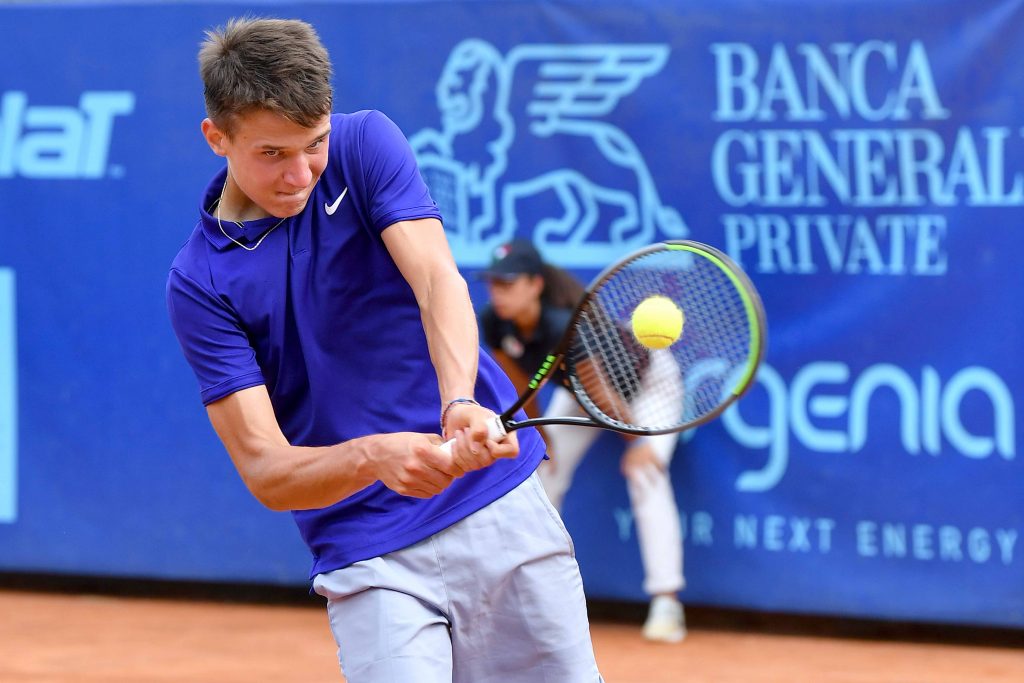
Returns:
(511, 260)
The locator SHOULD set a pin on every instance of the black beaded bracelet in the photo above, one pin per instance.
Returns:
(447, 407)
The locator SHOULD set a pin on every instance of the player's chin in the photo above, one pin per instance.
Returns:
(287, 206)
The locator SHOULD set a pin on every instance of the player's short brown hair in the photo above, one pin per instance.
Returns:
(278, 65)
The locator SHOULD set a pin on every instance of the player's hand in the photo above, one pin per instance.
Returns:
(473, 451)
(640, 458)
(469, 416)
(413, 464)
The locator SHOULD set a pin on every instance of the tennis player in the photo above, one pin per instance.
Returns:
(531, 303)
(335, 347)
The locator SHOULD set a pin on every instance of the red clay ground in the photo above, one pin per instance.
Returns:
(65, 638)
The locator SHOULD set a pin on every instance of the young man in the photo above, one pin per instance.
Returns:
(321, 310)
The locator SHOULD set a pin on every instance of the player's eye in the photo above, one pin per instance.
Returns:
(316, 144)
(271, 153)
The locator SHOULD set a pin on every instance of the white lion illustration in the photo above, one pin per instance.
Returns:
(524, 144)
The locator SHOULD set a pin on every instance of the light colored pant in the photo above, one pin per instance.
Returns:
(495, 598)
(653, 501)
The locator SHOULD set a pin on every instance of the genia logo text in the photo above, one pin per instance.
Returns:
(828, 411)
(59, 142)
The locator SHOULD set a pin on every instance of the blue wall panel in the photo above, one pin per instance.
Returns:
(863, 161)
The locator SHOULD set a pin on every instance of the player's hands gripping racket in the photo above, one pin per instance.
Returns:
(674, 314)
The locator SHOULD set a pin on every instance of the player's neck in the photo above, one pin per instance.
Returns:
(235, 205)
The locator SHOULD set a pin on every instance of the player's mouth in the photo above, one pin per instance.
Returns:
(292, 199)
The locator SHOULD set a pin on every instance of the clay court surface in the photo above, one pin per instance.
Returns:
(72, 638)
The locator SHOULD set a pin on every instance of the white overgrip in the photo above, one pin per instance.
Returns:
(495, 431)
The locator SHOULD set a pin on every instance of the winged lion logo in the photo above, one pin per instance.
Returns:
(525, 148)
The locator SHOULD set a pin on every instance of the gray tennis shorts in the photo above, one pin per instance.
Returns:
(495, 598)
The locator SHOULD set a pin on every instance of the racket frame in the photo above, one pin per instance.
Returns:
(755, 319)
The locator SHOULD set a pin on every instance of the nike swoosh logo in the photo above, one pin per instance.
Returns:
(331, 208)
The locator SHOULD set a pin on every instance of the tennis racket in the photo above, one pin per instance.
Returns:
(610, 372)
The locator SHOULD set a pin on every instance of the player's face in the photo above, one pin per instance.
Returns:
(512, 299)
(274, 162)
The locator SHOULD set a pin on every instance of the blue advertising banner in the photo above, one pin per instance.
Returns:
(8, 400)
(863, 161)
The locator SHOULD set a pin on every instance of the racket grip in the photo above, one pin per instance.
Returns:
(495, 431)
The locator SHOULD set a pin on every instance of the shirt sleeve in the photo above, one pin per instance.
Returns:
(395, 189)
(214, 343)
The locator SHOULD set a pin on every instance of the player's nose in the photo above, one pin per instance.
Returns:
(298, 174)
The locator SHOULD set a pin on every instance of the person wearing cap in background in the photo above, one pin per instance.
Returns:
(531, 303)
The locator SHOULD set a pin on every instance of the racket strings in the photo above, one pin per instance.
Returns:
(607, 365)
(720, 340)
(628, 385)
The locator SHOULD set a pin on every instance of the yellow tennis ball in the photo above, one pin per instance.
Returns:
(657, 322)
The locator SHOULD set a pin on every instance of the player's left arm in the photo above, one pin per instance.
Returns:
(421, 252)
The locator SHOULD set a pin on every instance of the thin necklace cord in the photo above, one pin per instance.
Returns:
(240, 224)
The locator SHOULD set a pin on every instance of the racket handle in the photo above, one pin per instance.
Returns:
(495, 431)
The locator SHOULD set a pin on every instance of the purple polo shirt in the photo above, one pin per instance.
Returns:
(320, 314)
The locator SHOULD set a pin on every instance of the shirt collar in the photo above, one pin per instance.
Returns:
(221, 235)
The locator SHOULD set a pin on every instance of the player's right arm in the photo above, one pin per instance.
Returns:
(282, 476)
(286, 477)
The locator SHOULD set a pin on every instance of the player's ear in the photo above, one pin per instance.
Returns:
(215, 137)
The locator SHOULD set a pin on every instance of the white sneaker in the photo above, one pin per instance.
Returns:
(665, 621)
